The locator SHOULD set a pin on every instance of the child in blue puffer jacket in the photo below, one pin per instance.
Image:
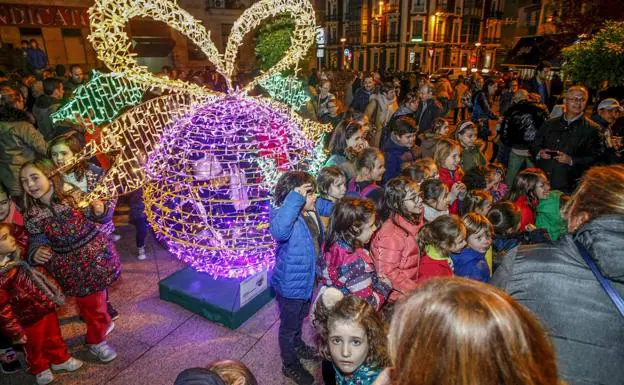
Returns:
(298, 231)
(470, 262)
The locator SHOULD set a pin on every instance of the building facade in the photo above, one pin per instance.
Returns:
(61, 28)
(412, 35)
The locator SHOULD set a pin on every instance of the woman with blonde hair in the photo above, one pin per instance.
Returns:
(566, 283)
(459, 331)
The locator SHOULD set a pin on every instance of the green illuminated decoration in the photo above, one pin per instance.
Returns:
(101, 99)
(286, 89)
(271, 172)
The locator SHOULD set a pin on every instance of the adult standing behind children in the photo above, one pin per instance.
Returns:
(20, 142)
(556, 282)
(568, 145)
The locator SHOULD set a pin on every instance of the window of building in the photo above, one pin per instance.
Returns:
(375, 65)
(391, 61)
(394, 34)
(418, 6)
(418, 29)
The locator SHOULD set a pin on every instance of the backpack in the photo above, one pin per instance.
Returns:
(362, 194)
(466, 99)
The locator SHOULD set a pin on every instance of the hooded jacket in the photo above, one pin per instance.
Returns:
(20, 142)
(396, 254)
(548, 215)
(396, 155)
(426, 113)
(470, 263)
(45, 106)
(27, 294)
(296, 255)
(520, 124)
(556, 284)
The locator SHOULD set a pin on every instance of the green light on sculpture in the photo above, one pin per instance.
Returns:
(101, 99)
(288, 90)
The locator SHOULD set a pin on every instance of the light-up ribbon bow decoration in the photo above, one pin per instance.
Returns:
(134, 135)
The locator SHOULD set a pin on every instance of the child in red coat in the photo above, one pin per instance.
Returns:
(395, 250)
(529, 187)
(439, 239)
(447, 158)
(29, 298)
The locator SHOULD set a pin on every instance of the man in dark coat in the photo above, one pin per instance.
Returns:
(363, 94)
(566, 146)
(540, 84)
(429, 108)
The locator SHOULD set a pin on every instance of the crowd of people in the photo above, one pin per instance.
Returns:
(397, 247)
(394, 249)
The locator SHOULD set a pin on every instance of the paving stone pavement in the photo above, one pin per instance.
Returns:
(155, 339)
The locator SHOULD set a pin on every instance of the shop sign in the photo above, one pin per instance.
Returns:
(43, 16)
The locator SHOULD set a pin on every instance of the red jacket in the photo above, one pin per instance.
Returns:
(449, 180)
(527, 214)
(27, 294)
(16, 219)
(396, 254)
(430, 268)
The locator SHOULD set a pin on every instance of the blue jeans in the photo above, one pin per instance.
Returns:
(292, 314)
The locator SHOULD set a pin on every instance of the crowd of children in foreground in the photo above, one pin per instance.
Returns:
(375, 224)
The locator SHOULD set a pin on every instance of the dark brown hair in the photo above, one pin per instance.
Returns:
(394, 199)
(328, 176)
(476, 199)
(525, 184)
(504, 216)
(433, 189)
(70, 140)
(459, 331)
(367, 158)
(442, 233)
(288, 181)
(404, 125)
(476, 222)
(357, 310)
(346, 221)
(344, 130)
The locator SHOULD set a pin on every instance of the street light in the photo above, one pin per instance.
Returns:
(343, 40)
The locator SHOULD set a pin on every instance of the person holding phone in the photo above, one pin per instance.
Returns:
(566, 146)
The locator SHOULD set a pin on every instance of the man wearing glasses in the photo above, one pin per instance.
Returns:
(566, 146)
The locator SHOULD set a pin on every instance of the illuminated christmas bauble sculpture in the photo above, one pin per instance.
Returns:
(207, 161)
(206, 196)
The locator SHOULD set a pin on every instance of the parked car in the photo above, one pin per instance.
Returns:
(451, 72)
